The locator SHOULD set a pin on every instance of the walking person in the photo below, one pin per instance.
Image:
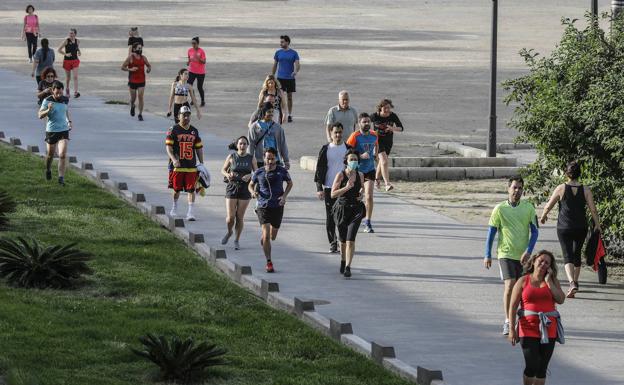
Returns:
(197, 67)
(237, 168)
(42, 59)
(272, 92)
(348, 210)
(286, 64)
(573, 199)
(70, 49)
(516, 224)
(269, 102)
(342, 113)
(265, 133)
(30, 31)
(539, 322)
(137, 65)
(267, 186)
(44, 88)
(386, 123)
(330, 162)
(133, 38)
(365, 142)
(181, 92)
(184, 149)
(55, 108)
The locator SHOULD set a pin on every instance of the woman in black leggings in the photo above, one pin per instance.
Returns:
(573, 199)
(30, 31)
(348, 210)
(197, 67)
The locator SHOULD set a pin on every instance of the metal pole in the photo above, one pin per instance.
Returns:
(491, 144)
(594, 9)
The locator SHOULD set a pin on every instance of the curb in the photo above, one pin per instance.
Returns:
(216, 257)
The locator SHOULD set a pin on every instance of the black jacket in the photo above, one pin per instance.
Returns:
(321, 167)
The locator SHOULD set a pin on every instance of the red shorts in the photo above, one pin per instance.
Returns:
(182, 181)
(69, 65)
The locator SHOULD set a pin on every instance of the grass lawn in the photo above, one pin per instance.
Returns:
(145, 281)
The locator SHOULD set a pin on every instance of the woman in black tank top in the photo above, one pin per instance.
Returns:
(348, 210)
(70, 49)
(237, 171)
(573, 199)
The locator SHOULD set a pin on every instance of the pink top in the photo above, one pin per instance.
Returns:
(195, 66)
(31, 24)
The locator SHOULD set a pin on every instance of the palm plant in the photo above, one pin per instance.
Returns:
(7, 205)
(180, 360)
(31, 265)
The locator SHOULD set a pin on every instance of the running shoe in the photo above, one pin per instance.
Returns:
(368, 229)
(236, 245)
(225, 239)
(173, 212)
(76, 95)
(132, 110)
(190, 217)
(389, 187)
(30, 60)
(140, 117)
(48, 174)
(342, 266)
(506, 328)
(572, 290)
(269, 267)
(333, 248)
(61, 181)
(347, 272)
(377, 184)
(289, 119)
(203, 104)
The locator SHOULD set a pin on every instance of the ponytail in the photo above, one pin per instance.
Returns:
(45, 48)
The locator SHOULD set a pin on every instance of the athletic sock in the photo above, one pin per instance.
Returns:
(190, 209)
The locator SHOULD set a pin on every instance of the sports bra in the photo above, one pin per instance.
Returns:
(181, 89)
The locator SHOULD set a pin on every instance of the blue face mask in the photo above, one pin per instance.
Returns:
(353, 164)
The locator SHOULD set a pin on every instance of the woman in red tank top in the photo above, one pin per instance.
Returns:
(136, 65)
(536, 292)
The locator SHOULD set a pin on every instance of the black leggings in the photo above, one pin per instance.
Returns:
(330, 224)
(571, 241)
(536, 356)
(31, 43)
(200, 83)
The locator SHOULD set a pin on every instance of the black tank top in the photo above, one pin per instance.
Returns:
(71, 48)
(241, 165)
(572, 209)
(350, 197)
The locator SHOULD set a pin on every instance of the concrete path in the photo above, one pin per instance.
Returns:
(418, 282)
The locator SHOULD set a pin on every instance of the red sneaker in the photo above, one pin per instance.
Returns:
(269, 267)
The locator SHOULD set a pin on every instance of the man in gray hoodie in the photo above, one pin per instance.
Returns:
(265, 133)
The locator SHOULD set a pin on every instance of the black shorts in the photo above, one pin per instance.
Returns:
(369, 175)
(385, 144)
(270, 215)
(55, 137)
(509, 268)
(135, 86)
(288, 85)
(237, 190)
(348, 218)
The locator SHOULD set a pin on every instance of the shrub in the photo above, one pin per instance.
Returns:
(30, 265)
(571, 106)
(7, 205)
(180, 360)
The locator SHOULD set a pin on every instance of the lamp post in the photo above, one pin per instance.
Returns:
(491, 144)
(594, 9)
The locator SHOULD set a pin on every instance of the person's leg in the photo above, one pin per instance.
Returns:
(509, 284)
(368, 202)
(200, 87)
(240, 216)
(330, 225)
(133, 96)
(67, 81)
(383, 167)
(75, 71)
(545, 354)
(62, 164)
(274, 231)
(174, 207)
(191, 202)
(51, 149)
(140, 93)
(266, 241)
(230, 218)
(350, 251)
(530, 351)
(289, 102)
(579, 240)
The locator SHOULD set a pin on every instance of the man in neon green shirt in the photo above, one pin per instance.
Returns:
(514, 220)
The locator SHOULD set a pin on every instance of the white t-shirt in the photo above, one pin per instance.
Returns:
(335, 162)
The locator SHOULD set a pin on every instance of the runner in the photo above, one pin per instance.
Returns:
(44, 89)
(184, 148)
(272, 92)
(265, 134)
(197, 67)
(30, 31)
(513, 219)
(237, 169)
(386, 123)
(573, 198)
(329, 164)
(43, 58)
(269, 102)
(536, 293)
(70, 49)
(366, 144)
(348, 209)
(55, 109)
(286, 64)
(344, 114)
(267, 186)
(179, 95)
(136, 64)
(133, 37)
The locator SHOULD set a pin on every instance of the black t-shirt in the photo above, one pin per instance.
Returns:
(135, 39)
(44, 84)
(380, 123)
(184, 143)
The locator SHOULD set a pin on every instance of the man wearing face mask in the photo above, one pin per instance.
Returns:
(516, 223)
(329, 163)
(136, 65)
(366, 143)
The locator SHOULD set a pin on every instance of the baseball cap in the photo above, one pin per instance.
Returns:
(185, 110)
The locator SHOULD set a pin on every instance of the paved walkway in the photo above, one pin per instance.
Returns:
(418, 282)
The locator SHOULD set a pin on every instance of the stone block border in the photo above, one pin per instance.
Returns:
(242, 275)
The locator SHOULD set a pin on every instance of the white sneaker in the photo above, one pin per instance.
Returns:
(236, 245)
(190, 217)
(173, 212)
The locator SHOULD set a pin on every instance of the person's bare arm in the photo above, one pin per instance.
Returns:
(171, 97)
(555, 287)
(516, 295)
(225, 170)
(336, 191)
(252, 189)
(554, 198)
(174, 159)
(282, 199)
(148, 65)
(274, 68)
(200, 154)
(125, 64)
(297, 68)
(69, 120)
(44, 113)
(44, 93)
(589, 197)
(61, 48)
